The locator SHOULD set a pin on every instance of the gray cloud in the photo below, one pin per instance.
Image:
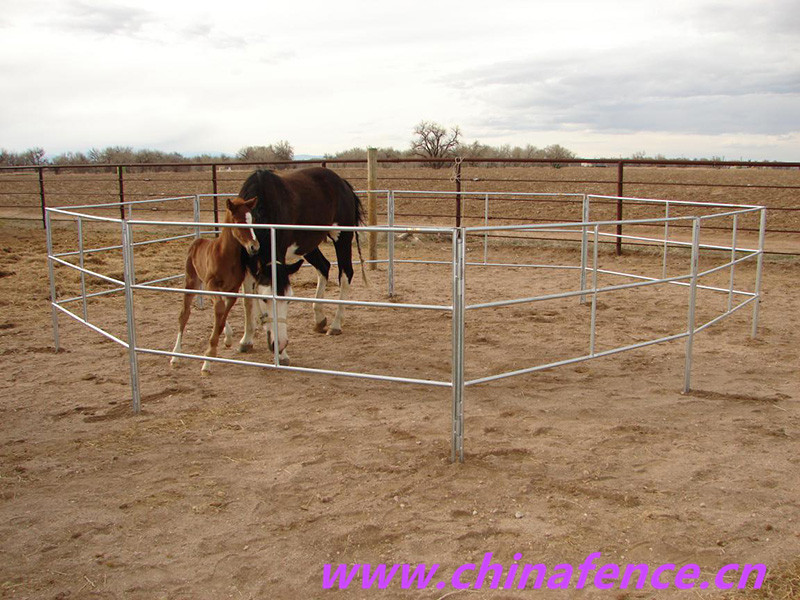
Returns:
(621, 91)
(711, 68)
(780, 17)
(103, 18)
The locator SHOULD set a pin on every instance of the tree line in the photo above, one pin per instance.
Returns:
(429, 140)
(125, 155)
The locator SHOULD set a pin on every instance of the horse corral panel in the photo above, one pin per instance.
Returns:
(475, 259)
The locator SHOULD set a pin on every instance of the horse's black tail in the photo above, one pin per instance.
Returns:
(358, 220)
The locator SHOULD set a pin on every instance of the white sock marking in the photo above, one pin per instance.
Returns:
(344, 287)
(319, 316)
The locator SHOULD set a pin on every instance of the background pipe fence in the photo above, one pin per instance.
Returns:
(25, 191)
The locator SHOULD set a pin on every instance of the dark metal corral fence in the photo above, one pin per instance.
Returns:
(26, 191)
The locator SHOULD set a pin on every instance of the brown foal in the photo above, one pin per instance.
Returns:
(217, 265)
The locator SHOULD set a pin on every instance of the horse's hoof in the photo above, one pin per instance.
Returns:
(228, 343)
(321, 326)
(205, 372)
(333, 331)
(284, 362)
(245, 348)
(173, 363)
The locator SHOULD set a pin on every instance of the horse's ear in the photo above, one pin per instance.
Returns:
(230, 205)
(294, 267)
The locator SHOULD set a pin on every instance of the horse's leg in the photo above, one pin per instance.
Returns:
(222, 306)
(248, 287)
(266, 319)
(228, 329)
(192, 282)
(323, 267)
(344, 255)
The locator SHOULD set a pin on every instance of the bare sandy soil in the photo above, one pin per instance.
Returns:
(244, 484)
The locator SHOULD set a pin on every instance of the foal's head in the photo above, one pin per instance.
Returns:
(241, 211)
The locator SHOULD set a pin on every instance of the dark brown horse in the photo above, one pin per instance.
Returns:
(314, 196)
(218, 265)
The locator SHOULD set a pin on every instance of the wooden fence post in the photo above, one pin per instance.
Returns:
(120, 175)
(372, 216)
(215, 187)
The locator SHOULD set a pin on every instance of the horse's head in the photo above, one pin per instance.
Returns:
(283, 287)
(241, 211)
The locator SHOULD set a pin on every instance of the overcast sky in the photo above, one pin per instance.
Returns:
(689, 78)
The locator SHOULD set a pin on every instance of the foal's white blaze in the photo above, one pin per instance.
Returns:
(249, 218)
(283, 311)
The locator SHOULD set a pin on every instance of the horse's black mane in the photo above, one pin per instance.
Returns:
(272, 194)
(272, 207)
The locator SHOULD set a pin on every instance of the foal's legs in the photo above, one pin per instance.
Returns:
(192, 282)
(248, 287)
(344, 255)
(222, 306)
(323, 267)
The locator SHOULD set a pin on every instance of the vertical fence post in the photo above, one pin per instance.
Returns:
(457, 443)
(593, 321)
(81, 263)
(457, 177)
(390, 238)
(121, 179)
(196, 216)
(214, 187)
(52, 274)
(372, 217)
(584, 245)
(486, 233)
(619, 206)
(41, 196)
(273, 249)
(687, 373)
(666, 242)
(127, 259)
(762, 227)
(733, 258)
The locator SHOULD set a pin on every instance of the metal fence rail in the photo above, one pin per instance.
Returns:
(589, 233)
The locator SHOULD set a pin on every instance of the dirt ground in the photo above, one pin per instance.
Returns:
(244, 484)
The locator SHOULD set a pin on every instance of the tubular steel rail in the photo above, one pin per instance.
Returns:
(588, 231)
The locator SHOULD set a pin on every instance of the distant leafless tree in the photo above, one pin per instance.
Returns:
(281, 151)
(435, 141)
